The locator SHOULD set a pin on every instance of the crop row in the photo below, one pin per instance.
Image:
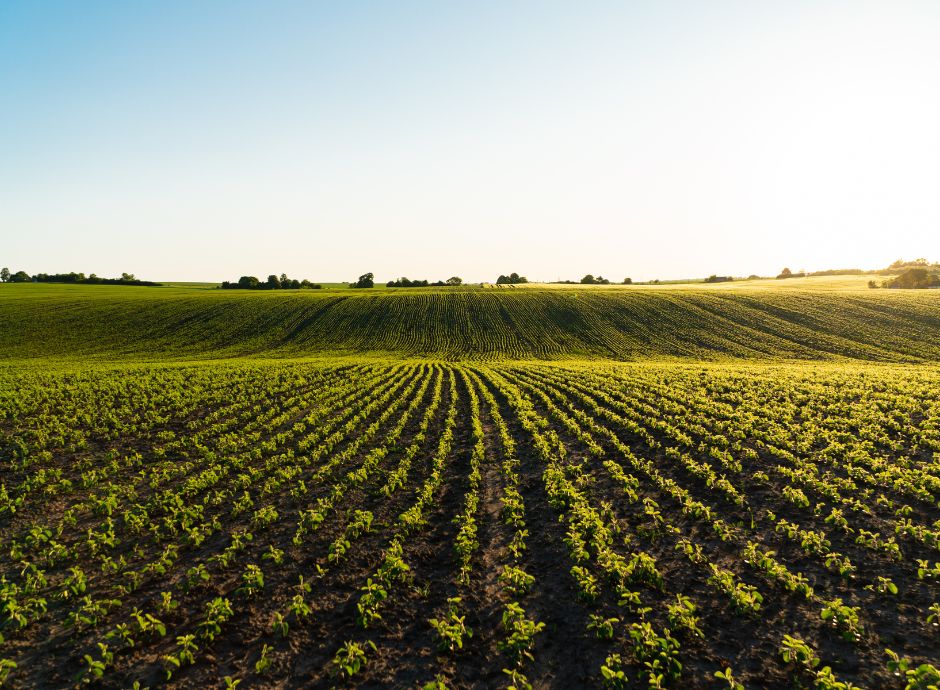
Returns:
(452, 525)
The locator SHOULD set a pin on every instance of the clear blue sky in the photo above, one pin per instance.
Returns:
(206, 140)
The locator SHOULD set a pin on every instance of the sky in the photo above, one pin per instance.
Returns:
(661, 139)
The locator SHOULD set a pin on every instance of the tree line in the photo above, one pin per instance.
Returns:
(406, 283)
(367, 280)
(592, 280)
(918, 278)
(23, 277)
(273, 282)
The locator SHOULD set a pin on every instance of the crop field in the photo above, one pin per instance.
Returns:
(742, 322)
(407, 523)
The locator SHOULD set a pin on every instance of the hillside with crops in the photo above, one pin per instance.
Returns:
(105, 322)
(470, 488)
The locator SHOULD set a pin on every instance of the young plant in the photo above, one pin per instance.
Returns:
(729, 679)
(522, 632)
(252, 581)
(612, 673)
(515, 580)
(799, 654)
(682, 616)
(603, 627)
(452, 629)
(351, 658)
(263, 662)
(844, 619)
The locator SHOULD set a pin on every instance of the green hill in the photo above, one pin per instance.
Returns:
(108, 322)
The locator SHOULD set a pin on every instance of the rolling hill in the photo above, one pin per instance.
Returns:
(743, 322)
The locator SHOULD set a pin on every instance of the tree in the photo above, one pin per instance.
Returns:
(454, 280)
(20, 277)
(587, 280)
(127, 277)
(628, 281)
(366, 280)
(5, 274)
(785, 273)
(248, 283)
(511, 279)
(273, 283)
(914, 278)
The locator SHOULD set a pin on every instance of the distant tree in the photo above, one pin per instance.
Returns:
(591, 280)
(872, 284)
(405, 282)
(511, 279)
(454, 280)
(73, 277)
(628, 281)
(366, 280)
(5, 274)
(272, 283)
(914, 278)
(785, 273)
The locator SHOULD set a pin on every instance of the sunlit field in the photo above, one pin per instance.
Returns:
(197, 492)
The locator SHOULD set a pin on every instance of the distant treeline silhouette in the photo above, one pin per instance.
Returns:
(917, 278)
(895, 268)
(404, 282)
(272, 283)
(23, 277)
(511, 279)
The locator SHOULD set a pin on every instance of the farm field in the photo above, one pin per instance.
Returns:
(826, 321)
(469, 346)
(402, 522)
